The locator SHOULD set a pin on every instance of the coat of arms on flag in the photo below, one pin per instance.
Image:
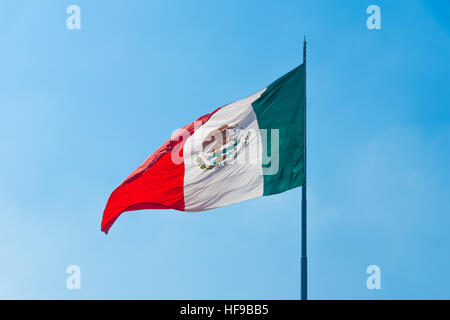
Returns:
(221, 146)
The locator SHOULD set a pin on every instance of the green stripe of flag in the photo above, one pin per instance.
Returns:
(282, 106)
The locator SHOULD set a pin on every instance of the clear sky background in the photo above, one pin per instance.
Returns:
(81, 109)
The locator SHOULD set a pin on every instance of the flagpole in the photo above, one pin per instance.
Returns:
(304, 258)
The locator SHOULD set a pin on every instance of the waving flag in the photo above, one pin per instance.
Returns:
(250, 148)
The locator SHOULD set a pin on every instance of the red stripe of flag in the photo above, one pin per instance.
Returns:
(157, 184)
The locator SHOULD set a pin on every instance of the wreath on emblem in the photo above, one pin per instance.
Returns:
(221, 146)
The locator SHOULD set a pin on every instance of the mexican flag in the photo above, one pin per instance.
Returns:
(246, 149)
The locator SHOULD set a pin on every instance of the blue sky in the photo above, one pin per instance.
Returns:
(81, 109)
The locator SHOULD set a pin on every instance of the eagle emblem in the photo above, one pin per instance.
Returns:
(221, 146)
